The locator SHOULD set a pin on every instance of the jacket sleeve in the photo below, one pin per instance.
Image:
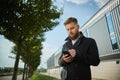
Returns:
(92, 55)
(61, 62)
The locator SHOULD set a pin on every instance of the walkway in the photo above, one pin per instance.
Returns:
(19, 77)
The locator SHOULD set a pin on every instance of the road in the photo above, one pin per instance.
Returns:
(19, 77)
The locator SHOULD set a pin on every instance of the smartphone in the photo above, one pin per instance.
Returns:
(66, 52)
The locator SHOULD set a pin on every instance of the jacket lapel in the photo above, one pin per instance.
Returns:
(79, 41)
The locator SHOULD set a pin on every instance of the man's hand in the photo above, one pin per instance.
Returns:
(67, 58)
(70, 58)
(72, 52)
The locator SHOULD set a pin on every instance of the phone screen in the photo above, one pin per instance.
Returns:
(66, 52)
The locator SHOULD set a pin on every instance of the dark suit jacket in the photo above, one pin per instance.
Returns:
(87, 54)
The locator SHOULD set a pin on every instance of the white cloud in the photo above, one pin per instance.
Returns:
(78, 1)
(100, 3)
(58, 3)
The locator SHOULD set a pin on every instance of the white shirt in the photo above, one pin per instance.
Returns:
(74, 41)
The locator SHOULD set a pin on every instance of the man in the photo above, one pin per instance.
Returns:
(78, 53)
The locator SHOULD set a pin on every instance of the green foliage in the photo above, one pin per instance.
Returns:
(23, 20)
(38, 76)
(31, 52)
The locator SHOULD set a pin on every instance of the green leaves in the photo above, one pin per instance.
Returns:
(24, 22)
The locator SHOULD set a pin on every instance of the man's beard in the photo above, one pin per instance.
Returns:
(75, 36)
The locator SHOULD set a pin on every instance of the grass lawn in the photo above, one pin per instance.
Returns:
(5, 74)
(38, 76)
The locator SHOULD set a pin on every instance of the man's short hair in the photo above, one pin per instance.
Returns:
(71, 19)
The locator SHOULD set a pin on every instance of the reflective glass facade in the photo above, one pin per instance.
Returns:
(111, 32)
(87, 33)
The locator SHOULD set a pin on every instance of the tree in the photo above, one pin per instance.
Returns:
(26, 18)
(30, 55)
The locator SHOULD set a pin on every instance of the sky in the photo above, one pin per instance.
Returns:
(83, 10)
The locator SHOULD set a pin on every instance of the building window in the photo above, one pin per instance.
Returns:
(111, 31)
(87, 33)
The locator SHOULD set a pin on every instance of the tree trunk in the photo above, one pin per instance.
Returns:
(14, 77)
(26, 73)
(23, 77)
(30, 73)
